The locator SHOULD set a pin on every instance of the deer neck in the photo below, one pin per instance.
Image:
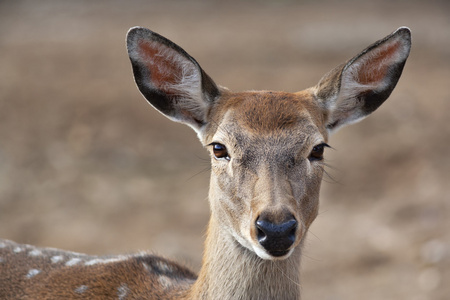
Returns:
(230, 271)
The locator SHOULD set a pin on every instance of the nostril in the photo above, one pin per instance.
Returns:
(266, 228)
(293, 231)
(276, 238)
(261, 234)
(291, 225)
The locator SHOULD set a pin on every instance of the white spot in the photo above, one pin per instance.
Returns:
(165, 281)
(35, 252)
(17, 250)
(57, 258)
(81, 289)
(33, 272)
(2, 245)
(73, 262)
(104, 260)
(147, 267)
(122, 291)
(93, 262)
(164, 267)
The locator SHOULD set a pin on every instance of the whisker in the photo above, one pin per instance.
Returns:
(198, 173)
(311, 258)
(202, 159)
(328, 174)
(317, 237)
(322, 212)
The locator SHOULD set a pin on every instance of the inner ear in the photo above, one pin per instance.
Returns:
(372, 70)
(377, 70)
(161, 67)
(169, 71)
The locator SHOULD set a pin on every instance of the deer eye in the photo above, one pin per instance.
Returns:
(220, 151)
(317, 152)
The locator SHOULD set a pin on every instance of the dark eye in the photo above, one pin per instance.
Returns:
(317, 152)
(220, 151)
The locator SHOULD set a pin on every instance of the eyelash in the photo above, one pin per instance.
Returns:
(317, 152)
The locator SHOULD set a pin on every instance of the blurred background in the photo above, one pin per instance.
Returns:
(87, 165)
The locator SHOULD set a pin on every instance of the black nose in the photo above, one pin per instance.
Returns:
(276, 238)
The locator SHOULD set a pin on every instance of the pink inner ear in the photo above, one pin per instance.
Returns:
(163, 69)
(375, 69)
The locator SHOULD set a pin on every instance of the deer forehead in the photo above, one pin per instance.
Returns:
(271, 120)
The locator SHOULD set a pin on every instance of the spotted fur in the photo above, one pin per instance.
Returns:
(57, 274)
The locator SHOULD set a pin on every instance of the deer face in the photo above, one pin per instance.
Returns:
(267, 164)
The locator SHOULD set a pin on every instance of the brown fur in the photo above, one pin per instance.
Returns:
(136, 275)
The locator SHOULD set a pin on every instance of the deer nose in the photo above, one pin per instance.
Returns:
(276, 238)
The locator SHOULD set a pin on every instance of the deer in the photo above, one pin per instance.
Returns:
(267, 163)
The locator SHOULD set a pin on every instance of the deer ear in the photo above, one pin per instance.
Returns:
(169, 78)
(355, 89)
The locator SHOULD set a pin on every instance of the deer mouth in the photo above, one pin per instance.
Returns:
(272, 255)
(278, 253)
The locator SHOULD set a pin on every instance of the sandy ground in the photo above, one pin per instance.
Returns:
(87, 165)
